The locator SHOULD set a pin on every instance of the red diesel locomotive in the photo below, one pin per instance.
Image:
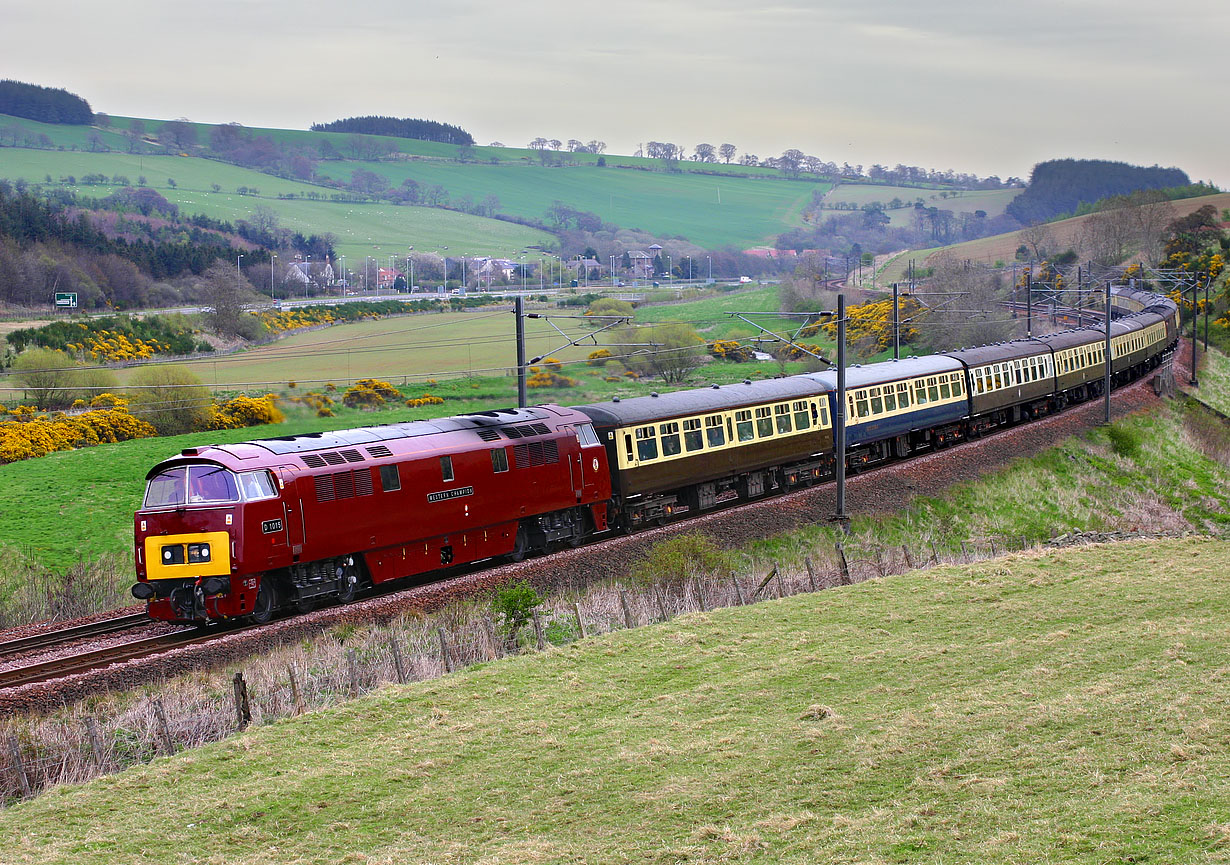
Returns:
(247, 529)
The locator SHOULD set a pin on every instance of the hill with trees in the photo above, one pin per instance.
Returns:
(1060, 186)
(399, 127)
(45, 104)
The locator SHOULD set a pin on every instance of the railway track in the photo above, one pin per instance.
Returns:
(75, 632)
(80, 662)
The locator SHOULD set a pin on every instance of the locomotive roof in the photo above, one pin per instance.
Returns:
(700, 401)
(888, 370)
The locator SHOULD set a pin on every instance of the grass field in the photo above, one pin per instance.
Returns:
(992, 201)
(379, 230)
(1046, 707)
(743, 210)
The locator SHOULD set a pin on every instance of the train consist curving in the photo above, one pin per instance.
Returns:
(247, 530)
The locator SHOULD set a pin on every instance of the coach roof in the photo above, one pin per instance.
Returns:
(643, 409)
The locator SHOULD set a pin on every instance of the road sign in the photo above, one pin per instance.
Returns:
(66, 299)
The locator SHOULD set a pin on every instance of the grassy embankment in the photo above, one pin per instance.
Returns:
(1002, 247)
(1049, 706)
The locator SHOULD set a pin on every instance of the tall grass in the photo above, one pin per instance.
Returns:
(37, 593)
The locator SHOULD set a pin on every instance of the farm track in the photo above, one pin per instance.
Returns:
(883, 489)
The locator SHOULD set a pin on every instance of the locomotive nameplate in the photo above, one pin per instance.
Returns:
(271, 526)
(444, 495)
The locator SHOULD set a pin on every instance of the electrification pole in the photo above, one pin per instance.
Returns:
(896, 325)
(520, 312)
(1106, 348)
(839, 415)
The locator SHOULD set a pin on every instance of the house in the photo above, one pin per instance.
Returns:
(304, 272)
(642, 264)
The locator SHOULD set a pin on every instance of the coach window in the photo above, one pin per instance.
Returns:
(390, 480)
(877, 402)
(890, 398)
(802, 418)
(903, 394)
(499, 460)
(646, 443)
(743, 425)
(920, 392)
(715, 436)
(693, 440)
(446, 468)
(781, 414)
(861, 407)
(670, 439)
(945, 388)
(933, 390)
(764, 421)
(958, 384)
(824, 413)
(628, 452)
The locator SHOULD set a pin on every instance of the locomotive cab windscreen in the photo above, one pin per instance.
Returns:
(193, 485)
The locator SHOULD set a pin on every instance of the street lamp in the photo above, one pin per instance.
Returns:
(345, 281)
(238, 275)
(272, 256)
(710, 260)
(308, 284)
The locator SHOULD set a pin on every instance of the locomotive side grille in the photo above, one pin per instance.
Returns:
(324, 488)
(489, 435)
(540, 429)
(512, 432)
(343, 485)
(333, 458)
(535, 454)
(520, 432)
(352, 456)
(363, 482)
(379, 451)
(313, 461)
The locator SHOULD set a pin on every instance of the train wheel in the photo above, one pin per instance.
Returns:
(266, 602)
(521, 545)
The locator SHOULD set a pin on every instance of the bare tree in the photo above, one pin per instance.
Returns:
(596, 146)
(727, 152)
(1039, 239)
(575, 146)
(705, 153)
(556, 144)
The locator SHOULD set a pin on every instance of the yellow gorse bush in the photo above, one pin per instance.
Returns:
(242, 411)
(369, 393)
(425, 399)
(31, 434)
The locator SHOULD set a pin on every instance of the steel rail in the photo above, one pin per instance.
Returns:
(75, 632)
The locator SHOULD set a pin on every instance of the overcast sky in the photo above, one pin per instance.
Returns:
(982, 86)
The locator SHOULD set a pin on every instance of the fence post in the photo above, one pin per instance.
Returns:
(738, 589)
(657, 593)
(935, 554)
(845, 565)
(623, 599)
(295, 696)
(398, 666)
(18, 767)
(91, 729)
(538, 632)
(352, 665)
(811, 572)
(493, 644)
(165, 731)
(700, 597)
(576, 608)
(909, 561)
(994, 552)
(781, 583)
(964, 552)
(768, 579)
(444, 652)
(243, 712)
(1024, 542)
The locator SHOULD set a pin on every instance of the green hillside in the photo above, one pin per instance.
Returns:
(743, 207)
(990, 201)
(1044, 707)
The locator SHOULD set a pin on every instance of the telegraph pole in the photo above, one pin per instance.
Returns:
(896, 325)
(520, 313)
(839, 415)
(1195, 325)
(1106, 371)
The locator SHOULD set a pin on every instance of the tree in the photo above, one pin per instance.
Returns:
(47, 375)
(1038, 238)
(170, 397)
(555, 143)
(705, 153)
(575, 146)
(791, 161)
(675, 350)
(134, 134)
(596, 146)
(179, 134)
(727, 152)
(226, 292)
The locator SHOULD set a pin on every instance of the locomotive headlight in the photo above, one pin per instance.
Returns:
(198, 553)
(173, 554)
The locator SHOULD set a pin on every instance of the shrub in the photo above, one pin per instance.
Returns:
(550, 379)
(425, 399)
(513, 605)
(47, 376)
(243, 411)
(599, 357)
(730, 349)
(369, 393)
(31, 435)
(172, 398)
(676, 560)
(1123, 441)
